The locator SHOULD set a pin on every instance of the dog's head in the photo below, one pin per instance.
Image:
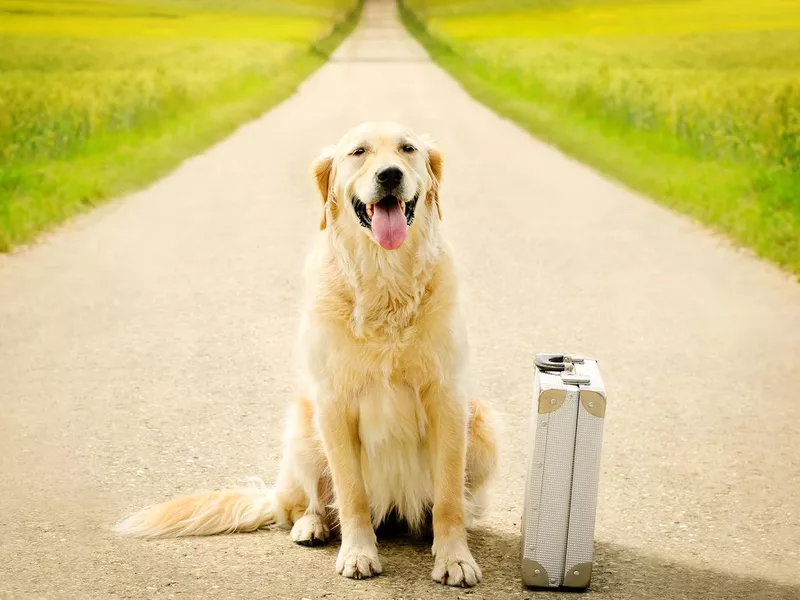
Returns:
(377, 180)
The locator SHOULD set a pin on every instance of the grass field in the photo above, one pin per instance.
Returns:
(695, 102)
(100, 96)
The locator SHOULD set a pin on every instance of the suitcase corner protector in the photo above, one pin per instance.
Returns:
(534, 574)
(593, 402)
(578, 576)
(550, 400)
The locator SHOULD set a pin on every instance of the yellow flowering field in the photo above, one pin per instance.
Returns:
(696, 102)
(97, 96)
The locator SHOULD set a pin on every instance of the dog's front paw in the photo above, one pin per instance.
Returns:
(310, 530)
(358, 560)
(454, 565)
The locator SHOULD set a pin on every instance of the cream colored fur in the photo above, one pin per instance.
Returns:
(385, 425)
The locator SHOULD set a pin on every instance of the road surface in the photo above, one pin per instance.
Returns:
(145, 352)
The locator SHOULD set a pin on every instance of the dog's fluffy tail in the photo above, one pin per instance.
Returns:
(205, 513)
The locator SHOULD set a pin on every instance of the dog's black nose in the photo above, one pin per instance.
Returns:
(390, 177)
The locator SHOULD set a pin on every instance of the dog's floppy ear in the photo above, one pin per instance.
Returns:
(434, 164)
(321, 170)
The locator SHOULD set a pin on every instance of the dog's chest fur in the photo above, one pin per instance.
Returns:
(390, 367)
(378, 339)
(396, 460)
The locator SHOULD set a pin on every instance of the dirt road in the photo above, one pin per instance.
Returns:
(145, 351)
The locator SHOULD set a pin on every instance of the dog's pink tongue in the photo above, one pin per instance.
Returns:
(389, 225)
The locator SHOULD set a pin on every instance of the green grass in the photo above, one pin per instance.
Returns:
(100, 97)
(695, 102)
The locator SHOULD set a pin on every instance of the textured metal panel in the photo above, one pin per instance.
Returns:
(550, 482)
(530, 517)
(556, 478)
(585, 476)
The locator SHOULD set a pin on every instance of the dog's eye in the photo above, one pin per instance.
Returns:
(357, 152)
(408, 148)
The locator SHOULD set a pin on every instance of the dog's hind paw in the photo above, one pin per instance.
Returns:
(310, 530)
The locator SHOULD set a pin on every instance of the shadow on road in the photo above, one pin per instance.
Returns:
(620, 572)
(632, 573)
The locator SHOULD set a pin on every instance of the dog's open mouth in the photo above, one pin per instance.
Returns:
(388, 219)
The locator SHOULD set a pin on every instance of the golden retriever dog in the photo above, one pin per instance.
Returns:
(386, 429)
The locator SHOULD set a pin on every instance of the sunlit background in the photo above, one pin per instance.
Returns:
(696, 103)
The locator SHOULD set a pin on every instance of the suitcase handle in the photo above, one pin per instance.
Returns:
(550, 363)
(556, 363)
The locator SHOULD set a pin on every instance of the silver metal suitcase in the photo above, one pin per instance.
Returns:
(569, 405)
